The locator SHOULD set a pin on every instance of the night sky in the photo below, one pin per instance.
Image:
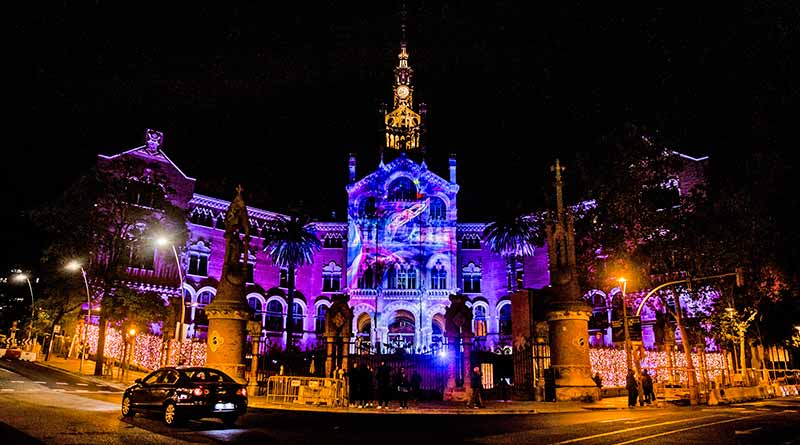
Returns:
(276, 94)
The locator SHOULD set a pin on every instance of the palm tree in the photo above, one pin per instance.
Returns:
(291, 243)
(513, 236)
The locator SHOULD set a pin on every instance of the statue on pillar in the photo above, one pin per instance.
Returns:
(338, 333)
(568, 314)
(458, 330)
(228, 312)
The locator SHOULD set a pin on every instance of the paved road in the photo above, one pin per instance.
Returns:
(41, 405)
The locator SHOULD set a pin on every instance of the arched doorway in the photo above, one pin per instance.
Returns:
(401, 330)
(364, 329)
(437, 332)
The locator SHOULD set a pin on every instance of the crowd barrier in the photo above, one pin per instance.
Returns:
(305, 390)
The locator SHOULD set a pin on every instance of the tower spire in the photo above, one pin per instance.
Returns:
(403, 124)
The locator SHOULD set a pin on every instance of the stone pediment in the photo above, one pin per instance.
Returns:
(383, 174)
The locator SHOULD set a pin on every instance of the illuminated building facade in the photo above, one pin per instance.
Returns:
(399, 255)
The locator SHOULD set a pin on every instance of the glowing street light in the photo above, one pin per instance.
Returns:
(23, 277)
(163, 242)
(76, 266)
(628, 360)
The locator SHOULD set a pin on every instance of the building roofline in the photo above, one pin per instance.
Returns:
(161, 152)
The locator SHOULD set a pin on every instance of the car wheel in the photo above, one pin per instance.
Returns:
(127, 409)
(171, 417)
(230, 420)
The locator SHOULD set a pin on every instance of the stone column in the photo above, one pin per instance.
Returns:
(329, 357)
(569, 351)
(254, 329)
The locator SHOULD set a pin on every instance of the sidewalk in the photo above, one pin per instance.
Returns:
(440, 407)
(73, 366)
(424, 407)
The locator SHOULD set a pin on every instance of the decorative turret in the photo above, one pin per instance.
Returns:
(403, 124)
(352, 167)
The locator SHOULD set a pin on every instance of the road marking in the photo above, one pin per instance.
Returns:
(689, 428)
(61, 383)
(40, 382)
(81, 390)
(616, 420)
(6, 389)
(747, 431)
(82, 384)
(17, 381)
(636, 421)
(595, 436)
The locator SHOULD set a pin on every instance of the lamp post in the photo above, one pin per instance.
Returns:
(628, 360)
(19, 277)
(165, 242)
(75, 266)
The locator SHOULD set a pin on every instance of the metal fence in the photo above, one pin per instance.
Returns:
(305, 390)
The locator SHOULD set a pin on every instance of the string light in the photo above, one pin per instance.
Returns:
(610, 363)
(148, 350)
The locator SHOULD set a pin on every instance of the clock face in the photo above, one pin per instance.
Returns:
(403, 91)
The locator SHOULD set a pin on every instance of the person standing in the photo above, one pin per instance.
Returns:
(416, 382)
(476, 382)
(647, 387)
(504, 388)
(366, 385)
(354, 383)
(384, 380)
(633, 388)
(403, 388)
(598, 380)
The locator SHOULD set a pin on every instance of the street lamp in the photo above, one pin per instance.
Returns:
(628, 360)
(20, 277)
(75, 266)
(163, 242)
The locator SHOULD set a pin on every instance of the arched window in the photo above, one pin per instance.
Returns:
(438, 276)
(391, 277)
(479, 320)
(297, 318)
(367, 279)
(438, 210)
(505, 319)
(331, 277)
(274, 318)
(284, 278)
(366, 208)
(322, 311)
(402, 189)
(255, 303)
(471, 275)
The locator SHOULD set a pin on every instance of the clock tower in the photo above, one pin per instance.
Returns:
(403, 124)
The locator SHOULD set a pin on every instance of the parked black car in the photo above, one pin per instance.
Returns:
(181, 393)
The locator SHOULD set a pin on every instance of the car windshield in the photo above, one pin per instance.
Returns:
(207, 375)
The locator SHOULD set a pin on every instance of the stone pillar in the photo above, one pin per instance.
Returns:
(227, 332)
(458, 330)
(569, 351)
(254, 329)
(229, 313)
(329, 357)
(338, 332)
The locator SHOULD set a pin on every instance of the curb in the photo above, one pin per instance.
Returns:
(394, 411)
(116, 385)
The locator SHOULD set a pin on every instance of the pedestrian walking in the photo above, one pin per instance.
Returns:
(403, 388)
(633, 388)
(647, 387)
(476, 382)
(384, 381)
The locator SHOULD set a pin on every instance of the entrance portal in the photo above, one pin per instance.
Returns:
(402, 331)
